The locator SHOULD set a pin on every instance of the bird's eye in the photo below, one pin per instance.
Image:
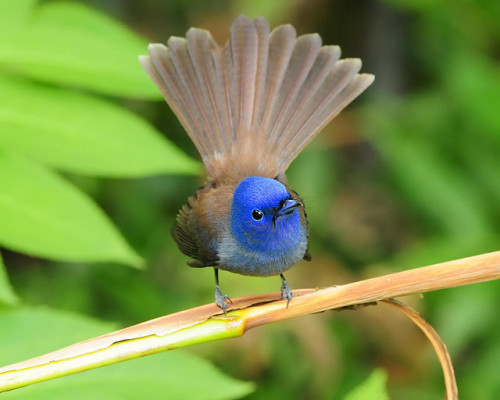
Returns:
(257, 215)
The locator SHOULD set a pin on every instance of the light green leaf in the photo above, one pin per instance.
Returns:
(79, 133)
(173, 375)
(69, 43)
(30, 332)
(7, 295)
(43, 215)
(14, 15)
(373, 388)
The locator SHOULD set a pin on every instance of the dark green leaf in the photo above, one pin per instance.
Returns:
(474, 84)
(7, 295)
(408, 141)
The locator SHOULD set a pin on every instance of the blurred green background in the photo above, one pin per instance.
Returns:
(94, 166)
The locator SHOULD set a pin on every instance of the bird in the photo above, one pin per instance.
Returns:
(250, 106)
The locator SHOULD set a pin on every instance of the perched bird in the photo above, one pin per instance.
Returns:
(250, 107)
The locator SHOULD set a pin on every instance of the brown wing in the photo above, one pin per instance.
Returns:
(186, 233)
(182, 234)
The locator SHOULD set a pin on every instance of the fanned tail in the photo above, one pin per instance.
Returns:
(255, 103)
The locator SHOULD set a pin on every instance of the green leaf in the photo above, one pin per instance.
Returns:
(43, 215)
(14, 15)
(80, 133)
(373, 388)
(30, 332)
(407, 137)
(474, 85)
(276, 11)
(177, 375)
(68, 43)
(7, 295)
(481, 376)
(458, 320)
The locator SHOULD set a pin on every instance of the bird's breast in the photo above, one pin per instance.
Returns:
(269, 254)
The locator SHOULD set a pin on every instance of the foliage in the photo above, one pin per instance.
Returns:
(7, 295)
(405, 177)
(372, 388)
(41, 214)
(45, 215)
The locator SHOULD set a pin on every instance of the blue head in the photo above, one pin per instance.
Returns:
(266, 226)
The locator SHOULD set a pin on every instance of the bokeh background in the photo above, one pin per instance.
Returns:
(408, 175)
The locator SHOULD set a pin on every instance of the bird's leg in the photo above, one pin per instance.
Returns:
(286, 292)
(220, 299)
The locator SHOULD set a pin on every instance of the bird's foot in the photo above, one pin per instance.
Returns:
(286, 292)
(221, 299)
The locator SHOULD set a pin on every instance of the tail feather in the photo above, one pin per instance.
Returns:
(320, 108)
(303, 56)
(244, 52)
(196, 92)
(161, 69)
(262, 97)
(201, 47)
(281, 43)
(317, 122)
(224, 105)
(323, 64)
(262, 27)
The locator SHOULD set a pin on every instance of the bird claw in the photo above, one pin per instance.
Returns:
(220, 300)
(286, 292)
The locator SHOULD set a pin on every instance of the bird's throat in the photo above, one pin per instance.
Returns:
(271, 253)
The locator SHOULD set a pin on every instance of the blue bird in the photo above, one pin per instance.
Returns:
(250, 107)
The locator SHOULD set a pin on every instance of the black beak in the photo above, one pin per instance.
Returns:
(288, 207)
